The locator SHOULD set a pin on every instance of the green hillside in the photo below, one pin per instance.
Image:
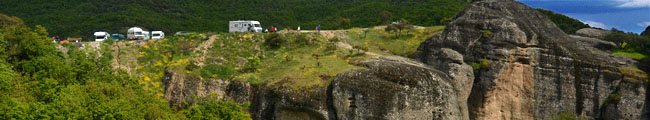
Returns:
(80, 18)
(566, 23)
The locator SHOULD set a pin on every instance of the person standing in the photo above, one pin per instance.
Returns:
(318, 28)
(298, 29)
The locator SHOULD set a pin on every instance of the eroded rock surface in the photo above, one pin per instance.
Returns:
(394, 88)
(534, 70)
(592, 33)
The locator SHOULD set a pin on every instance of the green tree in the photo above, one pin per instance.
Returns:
(343, 22)
(6, 21)
(386, 16)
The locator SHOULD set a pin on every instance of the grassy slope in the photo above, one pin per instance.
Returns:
(307, 60)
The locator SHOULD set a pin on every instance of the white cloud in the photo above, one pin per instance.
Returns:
(595, 24)
(633, 3)
(644, 24)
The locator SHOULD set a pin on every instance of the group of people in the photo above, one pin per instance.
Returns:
(275, 29)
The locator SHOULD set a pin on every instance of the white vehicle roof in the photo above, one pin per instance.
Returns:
(244, 21)
(154, 32)
(101, 33)
(135, 29)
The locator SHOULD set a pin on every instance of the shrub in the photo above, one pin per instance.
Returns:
(486, 33)
(484, 63)
(476, 66)
(212, 108)
(335, 39)
(251, 64)
(303, 40)
(274, 40)
(633, 74)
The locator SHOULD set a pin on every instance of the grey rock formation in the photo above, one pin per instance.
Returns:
(179, 88)
(287, 104)
(535, 70)
(592, 33)
(394, 88)
(594, 43)
(462, 74)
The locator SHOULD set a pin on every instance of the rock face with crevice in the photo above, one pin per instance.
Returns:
(535, 71)
(396, 89)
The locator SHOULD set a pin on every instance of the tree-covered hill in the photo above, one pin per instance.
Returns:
(80, 18)
(566, 23)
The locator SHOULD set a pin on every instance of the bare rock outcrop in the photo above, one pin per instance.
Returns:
(592, 33)
(394, 88)
(179, 88)
(531, 69)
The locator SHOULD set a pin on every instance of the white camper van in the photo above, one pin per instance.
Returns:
(146, 34)
(245, 26)
(155, 35)
(135, 33)
(101, 36)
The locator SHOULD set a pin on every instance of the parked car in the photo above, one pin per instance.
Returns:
(117, 36)
(155, 35)
(101, 36)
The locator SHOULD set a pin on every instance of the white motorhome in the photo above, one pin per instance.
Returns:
(135, 33)
(245, 26)
(155, 35)
(146, 34)
(101, 36)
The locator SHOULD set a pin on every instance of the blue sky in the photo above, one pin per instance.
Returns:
(626, 15)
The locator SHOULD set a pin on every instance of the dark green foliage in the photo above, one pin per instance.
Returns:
(343, 22)
(566, 23)
(79, 18)
(211, 108)
(386, 16)
(444, 21)
(37, 81)
(475, 66)
(486, 33)
(630, 42)
(482, 64)
(274, 40)
(633, 40)
(485, 64)
(217, 71)
(568, 116)
(402, 25)
(9, 21)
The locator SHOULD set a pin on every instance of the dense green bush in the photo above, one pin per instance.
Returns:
(274, 40)
(38, 81)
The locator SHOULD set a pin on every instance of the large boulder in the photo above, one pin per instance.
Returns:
(394, 88)
(527, 68)
(593, 33)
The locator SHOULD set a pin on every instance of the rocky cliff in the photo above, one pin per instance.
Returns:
(532, 69)
(498, 59)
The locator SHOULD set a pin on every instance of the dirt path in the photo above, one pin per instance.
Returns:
(203, 49)
(349, 47)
